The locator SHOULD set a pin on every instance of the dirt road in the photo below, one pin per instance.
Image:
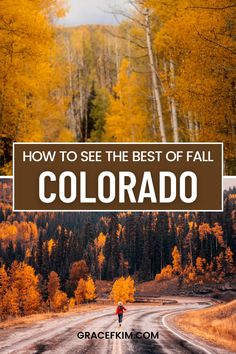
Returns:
(60, 335)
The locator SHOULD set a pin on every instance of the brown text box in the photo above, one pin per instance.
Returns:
(202, 159)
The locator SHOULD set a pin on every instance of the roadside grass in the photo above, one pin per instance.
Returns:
(33, 319)
(216, 324)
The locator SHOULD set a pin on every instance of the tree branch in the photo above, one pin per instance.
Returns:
(216, 43)
(126, 39)
(212, 8)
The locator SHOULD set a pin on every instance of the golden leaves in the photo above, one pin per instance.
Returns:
(123, 290)
(128, 116)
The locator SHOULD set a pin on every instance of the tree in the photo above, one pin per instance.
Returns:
(166, 273)
(53, 285)
(127, 118)
(98, 113)
(200, 263)
(123, 290)
(71, 303)
(25, 283)
(100, 242)
(80, 292)
(78, 270)
(129, 282)
(111, 250)
(199, 41)
(101, 260)
(90, 290)
(176, 261)
(219, 263)
(204, 232)
(40, 251)
(59, 301)
(229, 261)
(11, 302)
(189, 274)
(29, 110)
(218, 233)
(4, 286)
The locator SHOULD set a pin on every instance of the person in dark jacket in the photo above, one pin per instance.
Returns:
(120, 311)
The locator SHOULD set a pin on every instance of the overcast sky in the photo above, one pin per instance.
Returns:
(229, 182)
(83, 12)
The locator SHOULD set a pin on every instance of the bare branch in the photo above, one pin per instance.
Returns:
(126, 39)
(132, 3)
(117, 12)
(140, 71)
(216, 43)
(136, 58)
(212, 8)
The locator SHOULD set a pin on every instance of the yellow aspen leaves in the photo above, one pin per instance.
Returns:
(123, 290)
(128, 115)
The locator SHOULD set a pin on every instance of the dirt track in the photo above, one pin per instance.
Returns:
(60, 335)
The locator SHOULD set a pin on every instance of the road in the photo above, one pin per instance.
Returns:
(59, 335)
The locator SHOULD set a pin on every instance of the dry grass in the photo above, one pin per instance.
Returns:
(216, 324)
(32, 319)
(155, 288)
(103, 287)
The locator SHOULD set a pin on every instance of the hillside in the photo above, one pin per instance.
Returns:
(165, 253)
(216, 324)
(195, 247)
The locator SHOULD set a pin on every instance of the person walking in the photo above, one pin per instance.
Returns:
(120, 311)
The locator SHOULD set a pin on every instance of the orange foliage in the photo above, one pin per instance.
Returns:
(166, 273)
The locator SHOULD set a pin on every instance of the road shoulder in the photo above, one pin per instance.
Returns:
(173, 323)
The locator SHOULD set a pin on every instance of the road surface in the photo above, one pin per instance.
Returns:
(59, 335)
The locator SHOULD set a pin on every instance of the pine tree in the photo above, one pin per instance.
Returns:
(39, 252)
(161, 248)
(10, 254)
(111, 251)
(130, 242)
(100, 105)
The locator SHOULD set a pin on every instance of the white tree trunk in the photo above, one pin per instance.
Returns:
(156, 89)
(72, 115)
(191, 127)
(173, 105)
(117, 59)
(196, 128)
(81, 105)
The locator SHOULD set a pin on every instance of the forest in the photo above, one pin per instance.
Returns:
(66, 251)
(166, 72)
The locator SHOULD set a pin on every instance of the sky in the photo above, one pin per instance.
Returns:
(83, 12)
(229, 182)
